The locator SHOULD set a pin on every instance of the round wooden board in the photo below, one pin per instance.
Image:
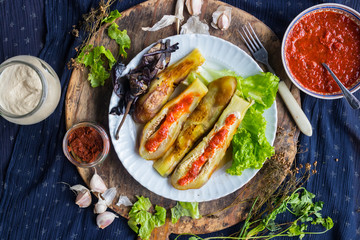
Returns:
(84, 103)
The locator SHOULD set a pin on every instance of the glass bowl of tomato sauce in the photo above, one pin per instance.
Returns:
(86, 144)
(328, 33)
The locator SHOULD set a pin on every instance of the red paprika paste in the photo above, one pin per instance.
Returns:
(324, 37)
(86, 143)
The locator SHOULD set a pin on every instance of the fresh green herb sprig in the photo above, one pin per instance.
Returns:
(300, 204)
(93, 57)
(99, 59)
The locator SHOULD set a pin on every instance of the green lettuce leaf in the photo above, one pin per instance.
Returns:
(142, 221)
(112, 16)
(260, 87)
(120, 37)
(250, 146)
(94, 57)
(189, 209)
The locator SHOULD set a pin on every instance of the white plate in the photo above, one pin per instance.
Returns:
(219, 54)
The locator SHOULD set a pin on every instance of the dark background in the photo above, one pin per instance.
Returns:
(34, 205)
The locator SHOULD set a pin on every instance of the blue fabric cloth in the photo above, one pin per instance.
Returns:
(35, 205)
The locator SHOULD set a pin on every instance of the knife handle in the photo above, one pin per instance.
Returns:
(295, 110)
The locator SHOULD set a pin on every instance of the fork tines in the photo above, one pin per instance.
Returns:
(251, 40)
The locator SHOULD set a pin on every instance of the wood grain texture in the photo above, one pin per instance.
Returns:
(84, 103)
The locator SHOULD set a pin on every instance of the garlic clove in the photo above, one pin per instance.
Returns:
(223, 22)
(194, 7)
(105, 219)
(109, 195)
(100, 206)
(124, 200)
(221, 18)
(83, 199)
(97, 184)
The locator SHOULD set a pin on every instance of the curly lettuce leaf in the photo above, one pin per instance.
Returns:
(94, 57)
(142, 221)
(250, 146)
(189, 209)
(261, 87)
(121, 38)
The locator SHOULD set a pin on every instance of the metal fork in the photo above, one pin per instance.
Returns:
(260, 54)
(255, 46)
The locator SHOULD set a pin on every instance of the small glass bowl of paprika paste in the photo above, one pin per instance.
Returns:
(86, 144)
(328, 33)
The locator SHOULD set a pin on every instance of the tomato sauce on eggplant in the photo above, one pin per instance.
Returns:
(216, 142)
(175, 112)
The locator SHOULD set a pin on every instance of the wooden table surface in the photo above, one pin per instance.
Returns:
(84, 103)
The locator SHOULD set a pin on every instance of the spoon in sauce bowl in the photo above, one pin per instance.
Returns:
(352, 100)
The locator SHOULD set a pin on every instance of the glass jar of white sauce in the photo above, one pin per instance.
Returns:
(29, 90)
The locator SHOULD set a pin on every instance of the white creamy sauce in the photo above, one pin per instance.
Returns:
(20, 89)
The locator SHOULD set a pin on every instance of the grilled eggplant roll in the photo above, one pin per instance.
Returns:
(161, 132)
(199, 123)
(198, 165)
(163, 86)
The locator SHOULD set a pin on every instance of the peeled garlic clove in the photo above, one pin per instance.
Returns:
(221, 18)
(223, 22)
(83, 199)
(105, 219)
(194, 7)
(124, 200)
(97, 184)
(109, 195)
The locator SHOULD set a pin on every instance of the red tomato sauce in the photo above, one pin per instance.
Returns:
(86, 143)
(328, 37)
(174, 113)
(217, 141)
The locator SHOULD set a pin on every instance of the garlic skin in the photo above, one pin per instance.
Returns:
(221, 18)
(83, 196)
(97, 184)
(124, 200)
(194, 7)
(194, 25)
(105, 219)
(109, 195)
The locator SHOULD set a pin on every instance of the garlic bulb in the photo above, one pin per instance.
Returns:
(83, 196)
(221, 18)
(105, 219)
(97, 184)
